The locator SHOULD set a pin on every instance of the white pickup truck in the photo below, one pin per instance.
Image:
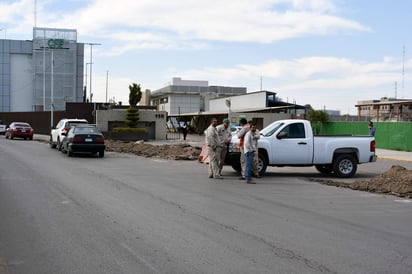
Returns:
(292, 143)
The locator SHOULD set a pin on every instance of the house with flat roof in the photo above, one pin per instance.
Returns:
(189, 96)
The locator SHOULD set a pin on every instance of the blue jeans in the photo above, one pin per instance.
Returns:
(249, 165)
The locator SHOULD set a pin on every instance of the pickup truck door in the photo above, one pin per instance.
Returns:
(292, 145)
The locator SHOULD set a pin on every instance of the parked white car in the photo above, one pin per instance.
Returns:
(56, 134)
(2, 129)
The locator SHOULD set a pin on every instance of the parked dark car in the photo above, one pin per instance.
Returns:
(19, 130)
(83, 139)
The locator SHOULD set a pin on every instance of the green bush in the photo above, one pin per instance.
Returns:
(132, 117)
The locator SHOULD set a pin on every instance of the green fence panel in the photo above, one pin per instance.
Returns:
(394, 136)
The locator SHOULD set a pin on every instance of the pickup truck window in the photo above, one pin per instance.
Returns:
(294, 131)
(269, 130)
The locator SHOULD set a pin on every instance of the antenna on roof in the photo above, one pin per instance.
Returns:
(35, 13)
(403, 72)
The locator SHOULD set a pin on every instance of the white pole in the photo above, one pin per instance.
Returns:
(107, 81)
(52, 89)
(44, 70)
(91, 64)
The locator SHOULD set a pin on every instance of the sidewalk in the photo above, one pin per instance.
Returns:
(395, 155)
(197, 140)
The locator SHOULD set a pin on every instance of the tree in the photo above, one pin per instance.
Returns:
(135, 94)
(317, 118)
(132, 114)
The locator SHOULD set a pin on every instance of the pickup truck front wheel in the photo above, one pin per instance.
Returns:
(345, 166)
(262, 164)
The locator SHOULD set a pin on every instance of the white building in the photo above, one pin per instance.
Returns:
(189, 96)
(44, 72)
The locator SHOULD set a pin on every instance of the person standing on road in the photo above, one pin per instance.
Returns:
(256, 136)
(372, 129)
(250, 148)
(184, 130)
(241, 135)
(213, 144)
(225, 136)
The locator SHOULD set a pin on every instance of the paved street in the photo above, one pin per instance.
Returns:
(128, 214)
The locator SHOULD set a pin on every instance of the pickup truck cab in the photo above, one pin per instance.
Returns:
(292, 143)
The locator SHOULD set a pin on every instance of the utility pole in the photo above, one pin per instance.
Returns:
(107, 80)
(91, 70)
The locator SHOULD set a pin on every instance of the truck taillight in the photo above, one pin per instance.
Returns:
(372, 148)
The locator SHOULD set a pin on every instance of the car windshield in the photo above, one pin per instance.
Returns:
(22, 125)
(69, 124)
(270, 129)
(86, 130)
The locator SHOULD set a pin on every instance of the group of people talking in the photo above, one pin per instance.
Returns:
(218, 138)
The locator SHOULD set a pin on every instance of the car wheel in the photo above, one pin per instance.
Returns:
(344, 166)
(101, 154)
(52, 145)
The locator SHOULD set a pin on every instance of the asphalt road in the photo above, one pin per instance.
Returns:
(128, 214)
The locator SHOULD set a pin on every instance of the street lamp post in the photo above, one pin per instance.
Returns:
(86, 80)
(91, 64)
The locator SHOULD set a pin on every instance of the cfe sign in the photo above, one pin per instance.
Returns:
(55, 43)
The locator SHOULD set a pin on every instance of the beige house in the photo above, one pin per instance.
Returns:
(385, 109)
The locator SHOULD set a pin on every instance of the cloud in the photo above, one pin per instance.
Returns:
(163, 24)
(315, 80)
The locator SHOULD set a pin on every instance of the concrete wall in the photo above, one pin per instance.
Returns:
(262, 119)
(159, 117)
(249, 100)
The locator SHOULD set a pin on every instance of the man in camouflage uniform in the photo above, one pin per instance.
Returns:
(225, 136)
(213, 144)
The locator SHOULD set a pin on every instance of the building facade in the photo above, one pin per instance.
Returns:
(42, 74)
(385, 110)
(189, 96)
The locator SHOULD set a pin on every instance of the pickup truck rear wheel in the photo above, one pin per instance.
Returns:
(325, 169)
(345, 166)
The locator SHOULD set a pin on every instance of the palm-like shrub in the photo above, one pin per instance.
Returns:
(132, 114)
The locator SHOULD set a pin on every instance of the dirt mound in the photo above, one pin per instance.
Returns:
(397, 181)
(171, 152)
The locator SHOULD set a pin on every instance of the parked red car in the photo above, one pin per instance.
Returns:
(19, 130)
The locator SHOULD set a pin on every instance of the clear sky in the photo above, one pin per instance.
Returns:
(326, 53)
